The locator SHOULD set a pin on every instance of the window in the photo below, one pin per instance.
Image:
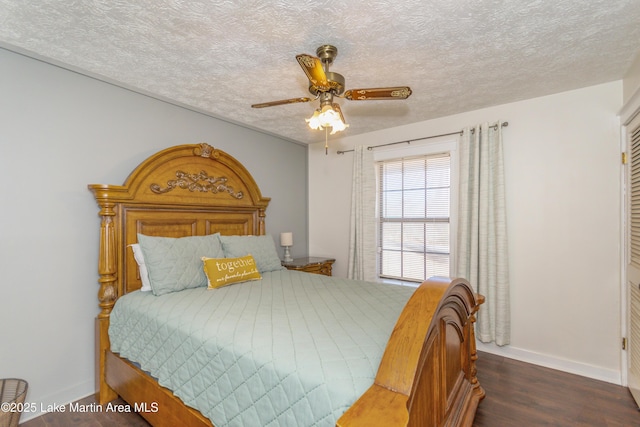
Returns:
(414, 217)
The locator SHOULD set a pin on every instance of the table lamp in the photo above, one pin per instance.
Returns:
(286, 240)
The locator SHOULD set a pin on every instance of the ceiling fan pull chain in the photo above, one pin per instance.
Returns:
(326, 141)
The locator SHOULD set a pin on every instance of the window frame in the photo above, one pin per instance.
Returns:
(444, 145)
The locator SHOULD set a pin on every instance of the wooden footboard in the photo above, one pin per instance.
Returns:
(427, 376)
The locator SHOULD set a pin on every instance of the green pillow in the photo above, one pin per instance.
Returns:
(261, 248)
(175, 264)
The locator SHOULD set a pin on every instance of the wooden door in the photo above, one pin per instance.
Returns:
(633, 250)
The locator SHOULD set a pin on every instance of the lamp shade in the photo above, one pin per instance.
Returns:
(286, 239)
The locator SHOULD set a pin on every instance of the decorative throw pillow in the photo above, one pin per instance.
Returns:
(225, 271)
(175, 264)
(142, 267)
(262, 248)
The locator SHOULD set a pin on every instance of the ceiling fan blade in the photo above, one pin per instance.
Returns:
(281, 102)
(401, 92)
(312, 67)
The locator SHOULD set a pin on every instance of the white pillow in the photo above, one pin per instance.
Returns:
(144, 274)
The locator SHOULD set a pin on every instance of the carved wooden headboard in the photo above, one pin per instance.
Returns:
(186, 190)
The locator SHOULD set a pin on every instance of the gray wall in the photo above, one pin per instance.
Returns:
(59, 131)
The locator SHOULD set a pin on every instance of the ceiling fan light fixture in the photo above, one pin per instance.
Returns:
(326, 117)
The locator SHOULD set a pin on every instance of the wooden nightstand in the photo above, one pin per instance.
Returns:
(314, 265)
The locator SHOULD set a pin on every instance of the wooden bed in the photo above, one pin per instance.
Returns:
(427, 376)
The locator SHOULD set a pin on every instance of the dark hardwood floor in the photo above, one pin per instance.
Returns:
(518, 394)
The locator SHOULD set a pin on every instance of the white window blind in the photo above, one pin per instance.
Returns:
(414, 217)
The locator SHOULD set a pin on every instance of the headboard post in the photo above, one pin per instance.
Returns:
(107, 294)
(107, 260)
(261, 226)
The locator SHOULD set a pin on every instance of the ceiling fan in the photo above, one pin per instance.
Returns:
(325, 85)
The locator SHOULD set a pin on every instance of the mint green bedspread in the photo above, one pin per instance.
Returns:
(293, 349)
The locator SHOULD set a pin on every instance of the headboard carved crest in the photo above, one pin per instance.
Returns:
(201, 182)
(206, 151)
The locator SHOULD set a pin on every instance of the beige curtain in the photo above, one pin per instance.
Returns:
(482, 256)
(362, 232)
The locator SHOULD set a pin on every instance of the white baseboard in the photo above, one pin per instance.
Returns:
(572, 367)
(59, 398)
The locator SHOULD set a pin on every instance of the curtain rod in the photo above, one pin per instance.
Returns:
(409, 141)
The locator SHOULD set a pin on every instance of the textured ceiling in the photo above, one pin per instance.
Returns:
(219, 57)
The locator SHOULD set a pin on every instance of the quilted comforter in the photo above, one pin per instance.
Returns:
(292, 349)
